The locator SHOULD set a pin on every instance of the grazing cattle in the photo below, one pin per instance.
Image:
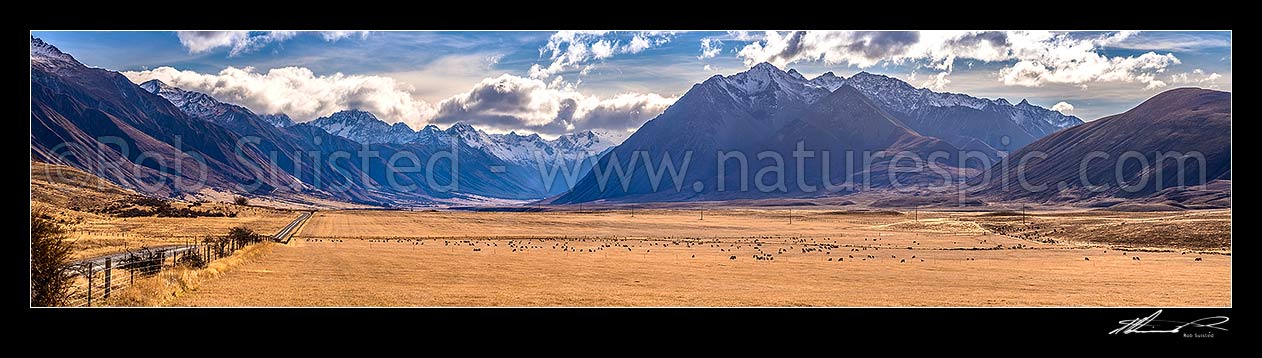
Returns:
(902, 261)
(1198, 259)
(732, 258)
(1086, 259)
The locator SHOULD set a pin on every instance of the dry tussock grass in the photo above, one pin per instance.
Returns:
(673, 258)
(937, 225)
(168, 285)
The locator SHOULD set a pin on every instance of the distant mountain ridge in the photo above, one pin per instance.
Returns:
(768, 109)
(518, 181)
(1085, 162)
(364, 127)
(75, 110)
(959, 119)
(143, 136)
(938, 113)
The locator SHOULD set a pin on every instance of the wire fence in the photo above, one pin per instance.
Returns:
(96, 281)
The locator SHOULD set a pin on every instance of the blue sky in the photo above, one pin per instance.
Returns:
(556, 82)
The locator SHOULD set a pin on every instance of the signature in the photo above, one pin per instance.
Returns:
(1151, 324)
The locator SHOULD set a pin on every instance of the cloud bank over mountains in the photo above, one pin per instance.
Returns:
(557, 83)
(504, 103)
(1032, 58)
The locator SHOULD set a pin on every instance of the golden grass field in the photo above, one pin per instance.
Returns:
(829, 255)
(75, 199)
(674, 258)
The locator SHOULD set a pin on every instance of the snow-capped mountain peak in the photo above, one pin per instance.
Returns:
(196, 104)
(828, 81)
(401, 125)
(765, 90)
(203, 106)
(794, 72)
(468, 134)
(517, 148)
(49, 56)
(278, 119)
(364, 127)
(461, 127)
(898, 96)
(186, 100)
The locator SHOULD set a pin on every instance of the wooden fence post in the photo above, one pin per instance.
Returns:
(108, 281)
(89, 284)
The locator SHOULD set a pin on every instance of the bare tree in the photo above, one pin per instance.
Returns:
(51, 275)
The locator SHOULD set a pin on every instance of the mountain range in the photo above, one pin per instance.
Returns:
(363, 127)
(766, 109)
(154, 138)
(98, 121)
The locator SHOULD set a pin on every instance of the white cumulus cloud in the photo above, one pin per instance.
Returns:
(570, 50)
(860, 48)
(1063, 107)
(202, 41)
(602, 49)
(338, 35)
(511, 102)
(298, 92)
(937, 82)
(637, 44)
(710, 48)
(1116, 38)
(1032, 58)
(501, 103)
(240, 42)
(1044, 57)
(1197, 77)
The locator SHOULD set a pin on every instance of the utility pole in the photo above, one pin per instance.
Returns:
(790, 216)
(916, 213)
(702, 214)
(1022, 214)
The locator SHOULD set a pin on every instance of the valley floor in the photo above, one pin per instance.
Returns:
(674, 258)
